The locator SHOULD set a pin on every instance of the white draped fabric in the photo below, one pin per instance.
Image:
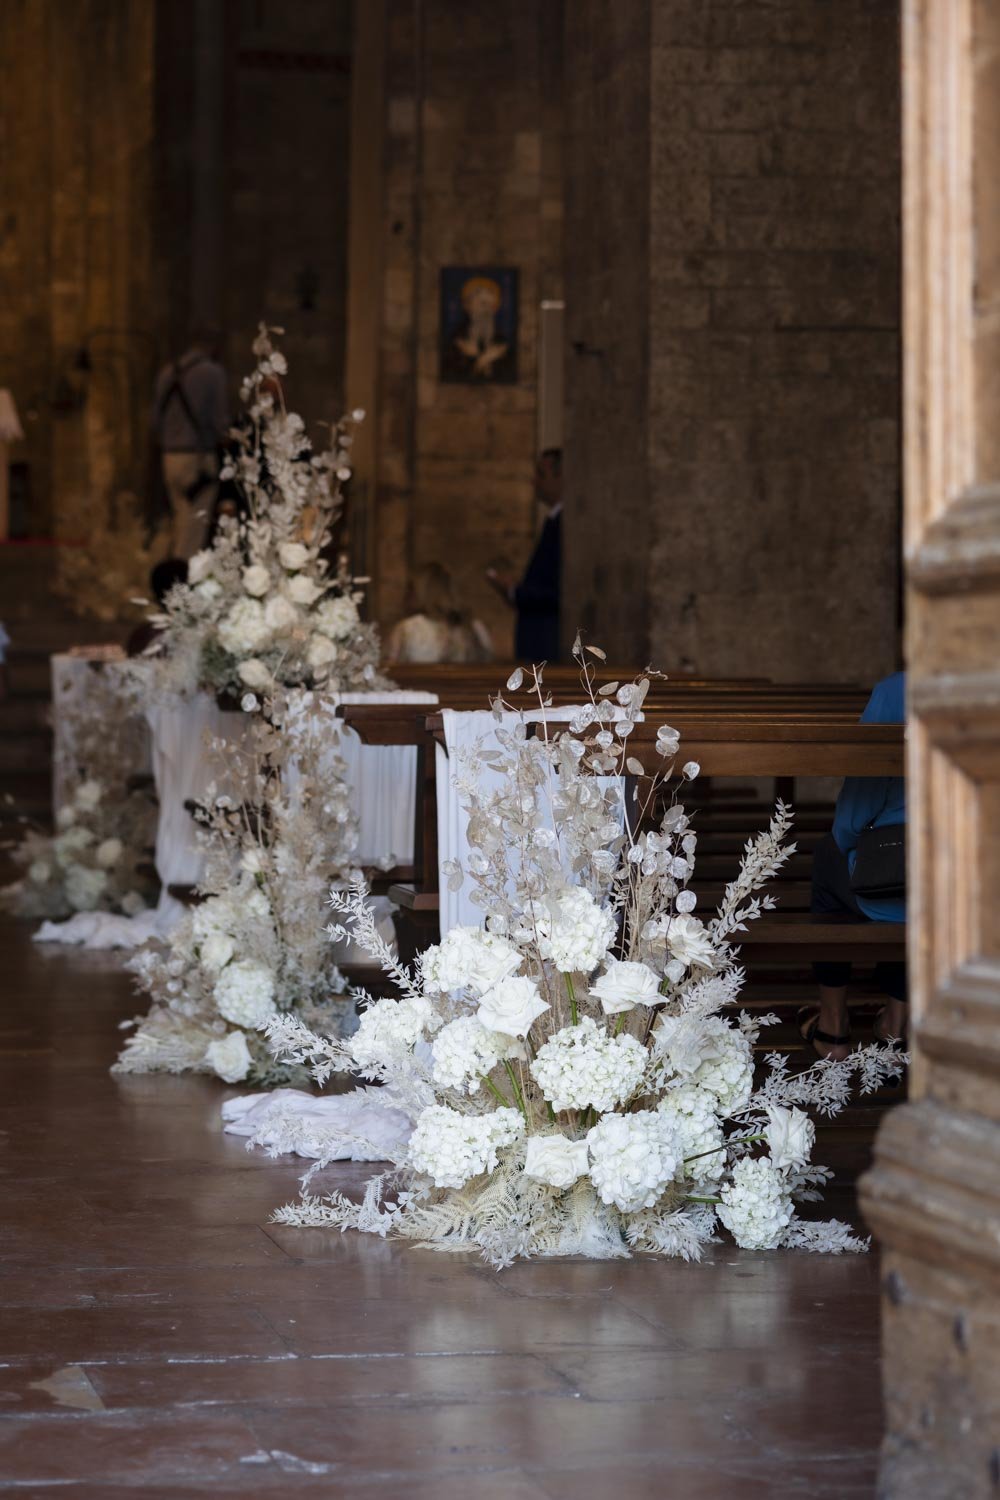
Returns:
(462, 732)
(75, 677)
(362, 1125)
(382, 780)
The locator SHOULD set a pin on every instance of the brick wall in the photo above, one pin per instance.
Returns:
(472, 177)
(773, 345)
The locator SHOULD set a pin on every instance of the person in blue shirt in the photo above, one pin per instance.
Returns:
(864, 802)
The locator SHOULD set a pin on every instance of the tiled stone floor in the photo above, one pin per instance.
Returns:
(159, 1338)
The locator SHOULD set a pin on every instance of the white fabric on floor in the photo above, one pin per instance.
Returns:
(462, 732)
(360, 1126)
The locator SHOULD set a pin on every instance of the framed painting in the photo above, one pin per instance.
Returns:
(479, 313)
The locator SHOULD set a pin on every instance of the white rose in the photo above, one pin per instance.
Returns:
(321, 652)
(66, 817)
(293, 556)
(556, 1160)
(690, 943)
(39, 871)
(251, 861)
(200, 566)
(132, 904)
(109, 853)
(790, 1136)
(254, 674)
(511, 1006)
(302, 590)
(625, 985)
(216, 951)
(229, 1057)
(280, 614)
(88, 795)
(256, 580)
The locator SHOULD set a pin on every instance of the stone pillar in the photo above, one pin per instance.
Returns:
(933, 1195)
(732, 313)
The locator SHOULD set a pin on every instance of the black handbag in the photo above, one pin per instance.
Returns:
(880, 863)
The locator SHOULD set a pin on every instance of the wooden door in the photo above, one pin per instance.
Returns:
(933, 1196)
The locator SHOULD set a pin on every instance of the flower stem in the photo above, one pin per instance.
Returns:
(517, 1090)
(619, 1024)
(691, 1199)
(494, 1090)
(571, 992)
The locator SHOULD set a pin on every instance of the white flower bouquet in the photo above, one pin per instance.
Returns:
(261, 607)
(100, 855)
(575, 1075)
(255, 946)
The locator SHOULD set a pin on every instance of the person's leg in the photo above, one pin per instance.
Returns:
(831, 893)
(891, 1024)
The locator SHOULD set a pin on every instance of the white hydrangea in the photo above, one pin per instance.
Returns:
(727, 1071)
(84, 887)
(691, 1113)
(582, 1066)
(66, 816)
(66, 845)
(469, 958)
(756, 1204)
(132, 903)
(229, 1057)
(39, 871)
(465, 1050)
(293, 555)
(108, 853)
(302, 590)
(254, 674)
(244, 993)
(280, 615)
(633, 1158)
(452, 1148)
(577, 935)
(512, 1006)
(256, 580)
(791, 1136)
(210, 590)
(622, 986)
(337, 617)
(244, 629)
(389, 1029)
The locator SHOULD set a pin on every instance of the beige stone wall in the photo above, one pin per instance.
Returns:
(75, 127)
(472, 175)
(771, 358)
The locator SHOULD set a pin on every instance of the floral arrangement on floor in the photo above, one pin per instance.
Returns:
(100, 856)
(576, 1077)
(104, 576)
(255, 946)
(261, 606)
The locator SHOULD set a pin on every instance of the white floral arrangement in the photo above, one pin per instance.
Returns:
(99, 857)
(261, 607)
(575, 1074)
(255, 947)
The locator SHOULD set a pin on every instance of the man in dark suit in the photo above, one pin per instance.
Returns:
(536, 597)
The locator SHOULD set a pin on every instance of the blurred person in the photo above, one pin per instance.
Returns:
(190, 424)
(536, 597)
(437, 630)
(171, 571)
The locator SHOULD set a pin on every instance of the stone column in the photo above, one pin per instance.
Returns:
(934, 1193)
(732, 183)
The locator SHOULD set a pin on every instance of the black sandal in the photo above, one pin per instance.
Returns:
(808, 1024)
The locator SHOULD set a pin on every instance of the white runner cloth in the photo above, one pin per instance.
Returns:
(360, 1126)
(463, 730)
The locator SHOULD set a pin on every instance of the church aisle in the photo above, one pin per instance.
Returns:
(158, 1338)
